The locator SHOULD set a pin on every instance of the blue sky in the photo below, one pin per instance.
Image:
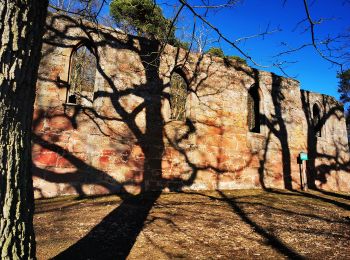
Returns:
(250, 17)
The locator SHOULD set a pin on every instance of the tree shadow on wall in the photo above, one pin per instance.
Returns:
(115, 235)
(321, 164)
(275, 127)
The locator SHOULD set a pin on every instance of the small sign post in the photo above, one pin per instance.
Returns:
(303, 157)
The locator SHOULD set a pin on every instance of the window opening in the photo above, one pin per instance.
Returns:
(178, 96)
(253, 110)
(82, 76)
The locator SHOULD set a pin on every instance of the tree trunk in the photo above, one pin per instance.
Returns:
(21, 28)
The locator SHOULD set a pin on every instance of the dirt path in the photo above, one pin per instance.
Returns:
(242, 224)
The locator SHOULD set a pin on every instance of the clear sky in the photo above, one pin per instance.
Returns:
(250, 17)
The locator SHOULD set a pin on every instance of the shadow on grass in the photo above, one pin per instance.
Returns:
(342, 196)
(324, 199)
(333, 201)
(115, 235)
(270, 238)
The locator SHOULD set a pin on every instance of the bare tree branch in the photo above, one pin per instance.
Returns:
(229, 3)
(263, 34)
(312, 31)
(86, 9)
(221, 35)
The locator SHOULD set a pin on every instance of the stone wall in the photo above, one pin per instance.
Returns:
(125, 141)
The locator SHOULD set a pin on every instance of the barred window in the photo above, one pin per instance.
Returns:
(253, 110)
(178, 96)
(83, 65)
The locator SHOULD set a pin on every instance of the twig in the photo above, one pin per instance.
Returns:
(312, 29)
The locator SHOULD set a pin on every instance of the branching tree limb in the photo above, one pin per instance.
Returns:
(312, 31)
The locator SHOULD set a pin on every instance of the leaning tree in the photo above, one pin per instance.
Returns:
(21, 30)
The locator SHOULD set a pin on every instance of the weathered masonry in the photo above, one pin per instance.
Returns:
(116, 113)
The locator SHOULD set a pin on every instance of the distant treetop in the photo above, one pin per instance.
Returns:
(218, 52)
(143, 17)
(344, 86)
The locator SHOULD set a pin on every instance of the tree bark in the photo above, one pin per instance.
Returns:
(21, 29)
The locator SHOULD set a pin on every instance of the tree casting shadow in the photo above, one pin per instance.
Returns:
(115, 235)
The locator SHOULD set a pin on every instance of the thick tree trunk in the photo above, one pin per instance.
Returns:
(21, 27)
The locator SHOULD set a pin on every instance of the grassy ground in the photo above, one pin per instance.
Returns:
(242, 224)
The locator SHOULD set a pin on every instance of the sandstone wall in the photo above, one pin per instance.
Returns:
(126, 142)
(329, 152)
